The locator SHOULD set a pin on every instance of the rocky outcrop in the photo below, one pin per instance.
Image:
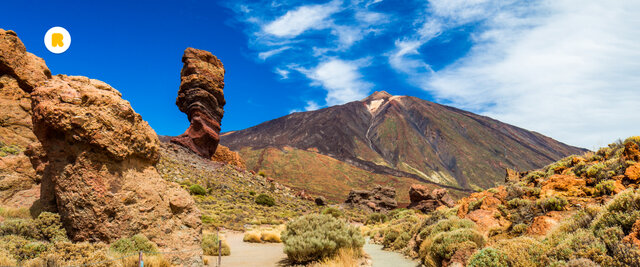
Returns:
(99, 158)
(225, 155)
(427, 200)
(201, 97)
(20, 71)
(378, 199)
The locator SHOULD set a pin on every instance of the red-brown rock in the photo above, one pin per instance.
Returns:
(20, 71)
(201, 97)
(427, 201)
(378, 199)
(100, 169)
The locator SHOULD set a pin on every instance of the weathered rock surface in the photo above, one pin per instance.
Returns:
(224, 155)
(99, 158)
(378, 199)
(201, 97)
(20, 71)
(427, 200)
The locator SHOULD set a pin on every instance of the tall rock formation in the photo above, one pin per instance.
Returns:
(100, 161)
(201, 97)
(20, 71)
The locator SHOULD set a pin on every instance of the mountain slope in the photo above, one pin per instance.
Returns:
(405, 136)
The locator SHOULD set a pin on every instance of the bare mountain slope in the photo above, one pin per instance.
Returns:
(405, 136)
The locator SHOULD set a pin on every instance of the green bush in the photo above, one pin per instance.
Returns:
(474, 205)
(265, 200)
(445, 244)
(314, 237)
(132, 244)
(605, 188)
(6, 150)
(376, 218)
(520, 228)
(488, 257)
(197, 189)
(390, 236)
(210, 246)
(336, 213)
(50, 226)
(553, 203)
(252, 193)
(401, 241)
(623, 211)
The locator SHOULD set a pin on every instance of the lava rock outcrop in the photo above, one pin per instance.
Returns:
(427, 200)
(378, 199)
(99, 158)
(20, 71)
(201, 97)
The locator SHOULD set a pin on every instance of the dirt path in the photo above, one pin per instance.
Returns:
(383, 258)
(249, 254)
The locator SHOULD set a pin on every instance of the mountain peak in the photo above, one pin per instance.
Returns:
(377, 95)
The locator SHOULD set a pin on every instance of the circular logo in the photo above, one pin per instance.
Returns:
(57, 40)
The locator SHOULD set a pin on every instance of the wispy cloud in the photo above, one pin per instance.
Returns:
(267, 54)
(297, 21)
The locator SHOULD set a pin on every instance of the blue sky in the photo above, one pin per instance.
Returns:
(567, 69)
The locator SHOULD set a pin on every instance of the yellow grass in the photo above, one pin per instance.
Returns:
(344, 258)
(271, 237)
(252, 237)
(6, 259)
(132, 261)
(9, 212)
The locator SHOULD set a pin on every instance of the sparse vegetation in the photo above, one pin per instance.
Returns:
(132, 244)
(316, 237)
(210, 246)
(335, 212)
(197, 189)
(265, 200)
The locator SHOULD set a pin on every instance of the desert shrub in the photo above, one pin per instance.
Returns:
(196, 189)
(623, 211)
(605, 188)
(474, 205)
(626, 254)
(135, 243)
(6, 150)
(579, 244)
(519, 228)
(6, 259)
(252, 237)
(207, 219)
(252, 193)
(336, 213)
(521, 251)
(552, 203)
(488, 257)
(581, 262)
(271, 237)
(265, 200)
(596, 170)
(518, 202)
(390, 236)
(376, 218)
(401, 241)
(210, 246)
(314, 237)
(445, 244)
(262, 173)
(50, 226)
(20, 227)
(534, 177)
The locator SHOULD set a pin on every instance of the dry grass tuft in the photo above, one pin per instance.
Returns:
(252, 237)
(344, 258)
(18, 213)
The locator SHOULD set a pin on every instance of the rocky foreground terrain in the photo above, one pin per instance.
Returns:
(583, 210)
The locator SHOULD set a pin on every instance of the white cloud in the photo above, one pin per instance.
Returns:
(567, 69)
(341, 79)
(311, 105)
(284, 74)
(266, 54)
(301, 19)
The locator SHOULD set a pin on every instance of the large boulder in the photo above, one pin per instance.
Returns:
(20, 71)
(427, 200)
(201, 97)
(377, 200)
(99, 157)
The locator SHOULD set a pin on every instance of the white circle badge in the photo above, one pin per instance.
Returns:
(57, 40)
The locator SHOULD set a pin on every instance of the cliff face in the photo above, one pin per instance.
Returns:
(201, 97)
(20, 72)
(405, 136)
